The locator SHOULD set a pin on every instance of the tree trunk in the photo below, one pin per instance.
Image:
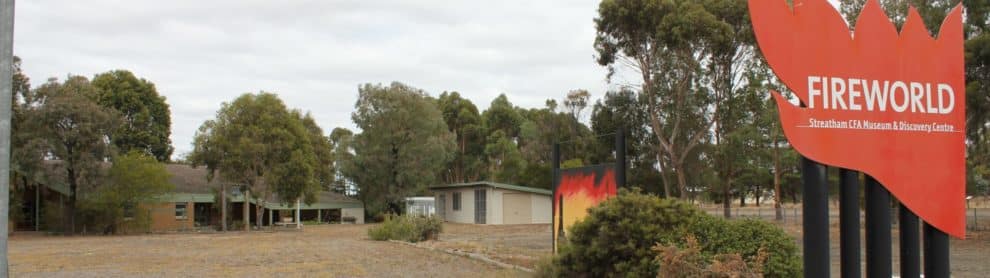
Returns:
(223, 208)
(247, 210)
(663, 176)
(742, 199)
(69, 218)
(778, 196)
(260, 211)
(727, 200)
(682, 182)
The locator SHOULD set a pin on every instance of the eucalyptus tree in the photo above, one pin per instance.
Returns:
(265, 147)
(402, 148)
(146, 119)
(687, 53)
(76, 134)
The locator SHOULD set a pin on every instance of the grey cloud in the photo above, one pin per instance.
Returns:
(314, 54)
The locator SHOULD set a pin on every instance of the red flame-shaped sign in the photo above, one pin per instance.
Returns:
(887, 104)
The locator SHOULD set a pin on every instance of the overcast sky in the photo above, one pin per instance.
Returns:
(314, 54)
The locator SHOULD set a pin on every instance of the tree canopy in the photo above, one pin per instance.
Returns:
(146, 119)
(255, 141)
(402, 148)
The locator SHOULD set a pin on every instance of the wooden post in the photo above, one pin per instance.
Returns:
(298, 218)
(247, 211)
(37, 207)
(319, 216)
(223, 208)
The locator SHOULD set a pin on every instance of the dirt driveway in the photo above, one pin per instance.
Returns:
(318, 251)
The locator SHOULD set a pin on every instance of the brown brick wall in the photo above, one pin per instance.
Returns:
(163, 217)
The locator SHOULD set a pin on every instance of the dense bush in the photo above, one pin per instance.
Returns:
(688, 261)
(407, 228)
(617, 236)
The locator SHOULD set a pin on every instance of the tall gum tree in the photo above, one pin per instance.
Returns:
(667, 43)
(403, 145)
(76, 134)
(146, 121)
(257, 142)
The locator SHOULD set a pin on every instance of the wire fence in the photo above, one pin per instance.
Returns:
(977, 218)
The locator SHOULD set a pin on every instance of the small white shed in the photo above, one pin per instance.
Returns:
(492, 203)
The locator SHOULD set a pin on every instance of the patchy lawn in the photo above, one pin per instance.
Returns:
(318, 251)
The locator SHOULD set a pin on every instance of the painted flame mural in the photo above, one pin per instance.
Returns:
(578, 190)
(887, 104)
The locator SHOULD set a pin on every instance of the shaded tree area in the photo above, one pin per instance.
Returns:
(64, 135)
(267, 149)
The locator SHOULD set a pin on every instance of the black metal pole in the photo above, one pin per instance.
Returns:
(815, 218)
(910, 243)
(620, 157)
(936, 252)
(849, 245)
(878, 242)
(555, 179)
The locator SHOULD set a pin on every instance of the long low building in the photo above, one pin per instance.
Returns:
(193, 205)
(492, 203)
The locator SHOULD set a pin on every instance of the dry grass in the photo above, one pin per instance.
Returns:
(338, 250)
(319, 251)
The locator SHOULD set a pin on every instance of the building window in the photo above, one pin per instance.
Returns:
(456, 199)
(180, 211)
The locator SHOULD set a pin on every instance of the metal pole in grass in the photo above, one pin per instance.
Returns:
(936, 252)
(815, 218)
(6, 67)
(878, 239)
(910, 237)
(849, 244)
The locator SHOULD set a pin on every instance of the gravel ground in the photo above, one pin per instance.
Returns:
(522, 245)
(318, 251)
(338, 250)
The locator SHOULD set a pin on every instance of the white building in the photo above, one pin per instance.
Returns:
(492, 203)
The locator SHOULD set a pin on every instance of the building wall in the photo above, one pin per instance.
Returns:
(357, 213)
(542, 208)
(466, 213)
(517, 208)
(163, 217)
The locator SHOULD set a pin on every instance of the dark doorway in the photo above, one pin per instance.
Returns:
(480, 206)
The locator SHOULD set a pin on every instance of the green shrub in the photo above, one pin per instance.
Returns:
(407, 228)
(617, 236)
(745, 238)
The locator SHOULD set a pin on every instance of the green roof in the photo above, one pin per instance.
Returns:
(495, 185)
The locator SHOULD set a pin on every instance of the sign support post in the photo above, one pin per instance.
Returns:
(878, 242)
(936, 252)
(815, 216)
(910, 246)
(849, 243)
